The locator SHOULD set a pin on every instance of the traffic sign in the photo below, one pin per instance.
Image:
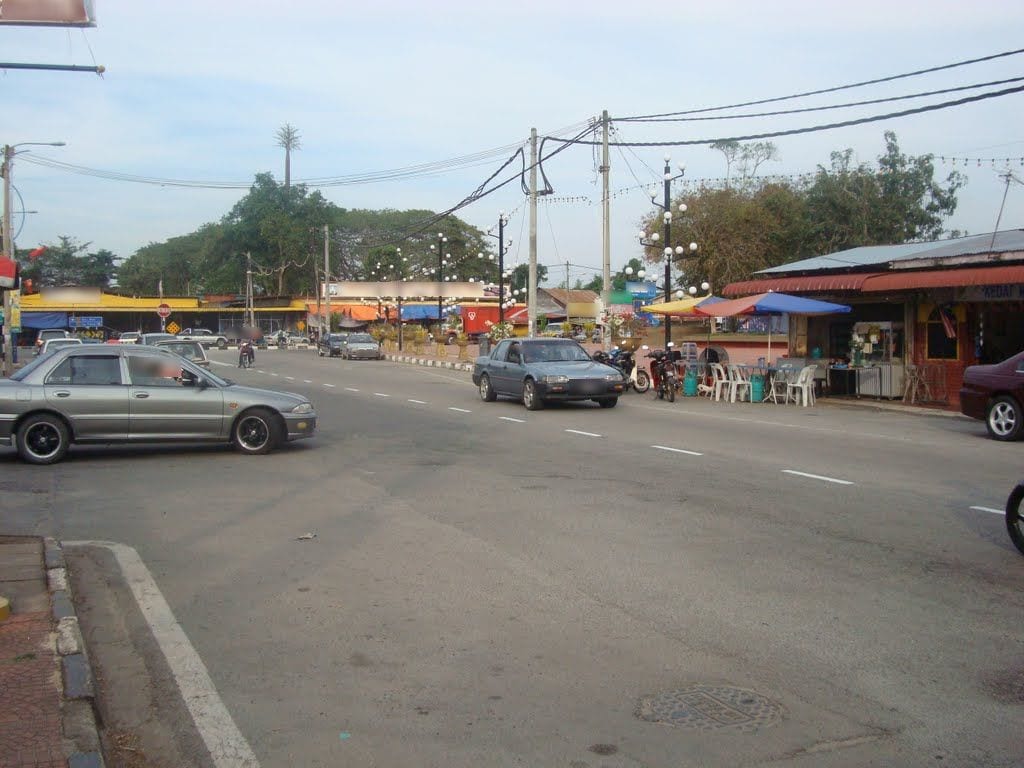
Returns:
(173, 327)
(164, 310)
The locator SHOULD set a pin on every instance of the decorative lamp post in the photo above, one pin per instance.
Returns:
(651, 241)
(441, 261)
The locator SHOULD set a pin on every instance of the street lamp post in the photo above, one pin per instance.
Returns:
(8, 241)
(503, 220)
(441, 256)
(652, 240)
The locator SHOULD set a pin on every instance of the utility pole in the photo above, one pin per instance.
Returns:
(501, 267)
(325, 328)
(441, 241)
(532, 283)
(249, 308)
(566, 298)
(8, 251)
(606, 246)
(667, 216)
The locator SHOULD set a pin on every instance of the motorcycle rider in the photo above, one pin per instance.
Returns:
(246, 351)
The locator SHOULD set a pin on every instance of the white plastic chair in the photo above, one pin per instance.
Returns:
(802, 389)
(784, 375)
(739, 384)
(720, 382)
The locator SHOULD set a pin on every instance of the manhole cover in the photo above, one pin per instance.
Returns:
(710, 707)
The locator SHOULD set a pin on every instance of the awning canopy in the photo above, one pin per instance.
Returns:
(685, 306)
(805, 284)
(945, 278)
(771, 304)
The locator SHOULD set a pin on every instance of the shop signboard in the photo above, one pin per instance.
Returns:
(86, 322)
(1004, 292)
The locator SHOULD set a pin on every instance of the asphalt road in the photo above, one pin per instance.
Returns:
(491, 586)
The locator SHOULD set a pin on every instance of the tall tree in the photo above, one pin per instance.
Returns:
(288, 137)
(69, 262)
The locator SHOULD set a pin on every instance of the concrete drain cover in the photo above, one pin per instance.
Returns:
(710, 707)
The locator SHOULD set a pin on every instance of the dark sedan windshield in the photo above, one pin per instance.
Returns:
(554, 352)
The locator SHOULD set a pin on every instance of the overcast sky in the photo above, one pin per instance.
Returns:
(196, 89)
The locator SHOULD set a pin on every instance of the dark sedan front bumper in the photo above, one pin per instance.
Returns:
(364, 354)
(580, 389)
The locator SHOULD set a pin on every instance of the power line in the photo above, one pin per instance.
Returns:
(810, 129)
(833, 89)
(827, 107)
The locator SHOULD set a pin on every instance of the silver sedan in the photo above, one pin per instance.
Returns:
(139, 394)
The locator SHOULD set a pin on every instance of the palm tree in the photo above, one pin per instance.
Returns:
(288, 137)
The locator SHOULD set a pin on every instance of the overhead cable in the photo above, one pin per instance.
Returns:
(833, 89)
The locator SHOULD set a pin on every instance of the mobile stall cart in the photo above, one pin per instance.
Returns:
(876, 355)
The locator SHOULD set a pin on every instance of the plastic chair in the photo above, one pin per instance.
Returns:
(802, 389)
(738, 384)
(784, 375)
(720, 380)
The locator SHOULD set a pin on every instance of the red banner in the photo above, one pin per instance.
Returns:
(51, 13)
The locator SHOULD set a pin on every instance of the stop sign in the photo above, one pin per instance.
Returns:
(164, 311)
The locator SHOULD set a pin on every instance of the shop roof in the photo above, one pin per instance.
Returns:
(828, 283)
(1004, 242)
(945, 278)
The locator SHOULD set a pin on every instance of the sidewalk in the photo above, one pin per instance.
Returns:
(46, 713)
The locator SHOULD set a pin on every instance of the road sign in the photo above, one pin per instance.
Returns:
(86, 322)
(164, 310)
(173, 327)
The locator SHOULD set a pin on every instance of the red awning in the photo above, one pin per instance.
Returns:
(945, 278)
(806, 284)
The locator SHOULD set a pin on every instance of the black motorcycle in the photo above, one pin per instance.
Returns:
(246, 355)
(624, 360)
(664, 375)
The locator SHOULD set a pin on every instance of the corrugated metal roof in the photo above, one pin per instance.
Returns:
(852, 281)
(879, 255)
(945, 278)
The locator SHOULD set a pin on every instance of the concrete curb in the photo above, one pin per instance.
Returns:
(430, 362)
(78, 705)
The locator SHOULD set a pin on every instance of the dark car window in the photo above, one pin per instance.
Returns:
(514, 355)
(501, 350)
(154, 371)
(190, 350)
(555, 351)
(96, 370)
(1020, 365)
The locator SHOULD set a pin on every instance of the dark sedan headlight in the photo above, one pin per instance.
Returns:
(555, 379)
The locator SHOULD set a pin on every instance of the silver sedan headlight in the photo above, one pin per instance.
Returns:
(303, 408)
(613, 377)
(556, 379)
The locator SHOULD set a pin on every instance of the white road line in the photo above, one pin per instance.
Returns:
(351, 389)
(290, 378)
(273, 374)
(226, 745)
(258, 371)
(989, 509)
(418, 402)
(329, 385)
(460, 410)
(509, 418)
(585, 434)
(306, 381)
(818, 477)
(381, 394)
(676, 450)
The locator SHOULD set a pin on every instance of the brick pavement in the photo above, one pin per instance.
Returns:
(30, 693)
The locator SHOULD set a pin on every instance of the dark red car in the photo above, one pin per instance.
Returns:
(995, 393)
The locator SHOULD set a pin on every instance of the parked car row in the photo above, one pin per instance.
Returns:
(349, 346)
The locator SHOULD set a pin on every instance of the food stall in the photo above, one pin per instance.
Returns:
(875, 367)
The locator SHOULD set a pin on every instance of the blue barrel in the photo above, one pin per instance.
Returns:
(756, 387)
(690, 383)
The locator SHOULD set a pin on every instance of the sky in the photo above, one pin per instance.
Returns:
(196, 90)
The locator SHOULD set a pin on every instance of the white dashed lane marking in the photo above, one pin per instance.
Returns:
(459, 410)
(418, 402)
(579, 432)
(993, 510)
(509, 418)
(290, 378)
(351, 389)
(306, 381)
(273, 374)
(329, 385)
(817, 477)
(381, 394)
(676, 450)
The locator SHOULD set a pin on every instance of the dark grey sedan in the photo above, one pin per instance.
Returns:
(546, 369)
(360, 346)
(139, 394)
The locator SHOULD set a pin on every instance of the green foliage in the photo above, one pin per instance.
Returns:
(521, 276)
(282, 227)
(750, 226)
(69, 262)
